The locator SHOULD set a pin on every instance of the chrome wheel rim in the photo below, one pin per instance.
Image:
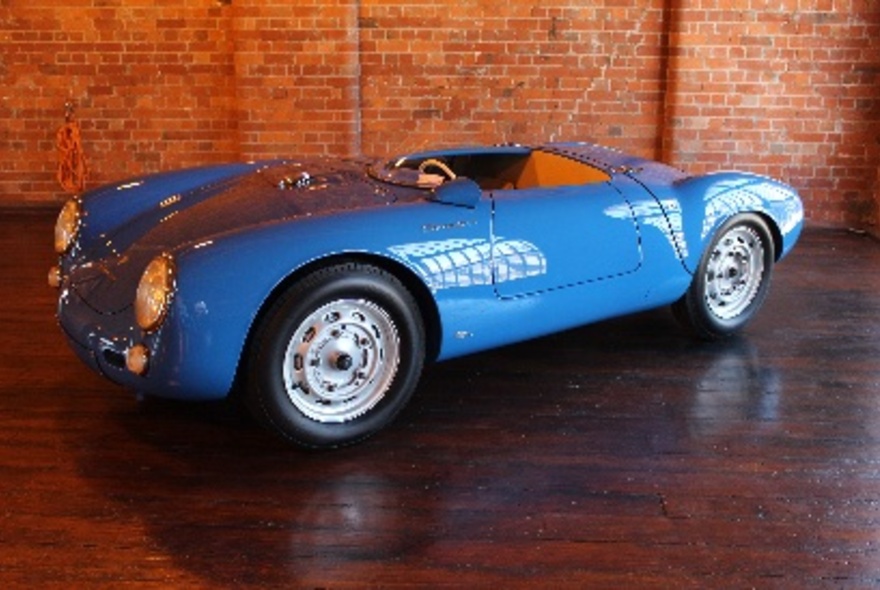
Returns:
(734, 272)
(341, 360)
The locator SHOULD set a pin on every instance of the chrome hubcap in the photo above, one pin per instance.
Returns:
(734, 272)
(341, 360)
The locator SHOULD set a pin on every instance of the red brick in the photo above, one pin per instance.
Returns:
(788, 90)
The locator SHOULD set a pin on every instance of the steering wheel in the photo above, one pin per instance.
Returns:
(439, 165)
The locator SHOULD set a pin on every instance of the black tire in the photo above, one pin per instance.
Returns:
(732, 280)
(336, 357)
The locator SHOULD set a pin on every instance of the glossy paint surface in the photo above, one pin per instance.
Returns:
(495, 268)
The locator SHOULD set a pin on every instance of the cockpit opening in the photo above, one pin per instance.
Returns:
(497, 171)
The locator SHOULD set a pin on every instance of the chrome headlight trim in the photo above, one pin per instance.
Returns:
(67, 225)
(155, 292)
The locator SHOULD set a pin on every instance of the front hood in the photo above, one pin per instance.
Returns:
(105, 274)
(271, 193)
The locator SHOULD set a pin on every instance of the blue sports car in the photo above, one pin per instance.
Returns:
(319, 287)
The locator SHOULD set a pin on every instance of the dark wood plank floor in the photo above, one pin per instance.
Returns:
(620, 455)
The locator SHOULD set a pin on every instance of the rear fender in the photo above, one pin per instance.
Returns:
(706, 202)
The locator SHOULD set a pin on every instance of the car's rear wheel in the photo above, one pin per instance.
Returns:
(336, 357)
(732, 280)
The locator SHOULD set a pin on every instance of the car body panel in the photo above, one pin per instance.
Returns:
(544, 254)
(496, 265)
(708, 201)
(120, 204)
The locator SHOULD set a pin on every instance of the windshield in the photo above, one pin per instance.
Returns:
(430, 169)
(401, 172)
(421, 171)
(495, 168)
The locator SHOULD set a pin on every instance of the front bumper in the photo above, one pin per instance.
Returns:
(184, 359)
(101, 341)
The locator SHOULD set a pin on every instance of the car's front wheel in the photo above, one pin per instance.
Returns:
(336, 357)
(732, 280)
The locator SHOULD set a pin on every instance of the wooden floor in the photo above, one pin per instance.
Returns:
(621, 455)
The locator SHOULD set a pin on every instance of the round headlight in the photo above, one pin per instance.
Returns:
(67, 226)
(154, 292)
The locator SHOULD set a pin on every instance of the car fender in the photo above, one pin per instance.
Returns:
(225, 282)
(701, 204)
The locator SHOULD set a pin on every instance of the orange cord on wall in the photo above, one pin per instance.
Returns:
(73, 168)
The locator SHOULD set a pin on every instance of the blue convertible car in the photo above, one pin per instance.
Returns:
(319, 288)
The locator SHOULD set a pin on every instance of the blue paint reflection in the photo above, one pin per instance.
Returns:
(457, 263)
(664, 216)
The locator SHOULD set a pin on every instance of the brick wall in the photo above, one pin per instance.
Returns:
(789, 88)
(785, 88)
(152, 87)
(484, 71)
(296, 76)
(875, 226)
